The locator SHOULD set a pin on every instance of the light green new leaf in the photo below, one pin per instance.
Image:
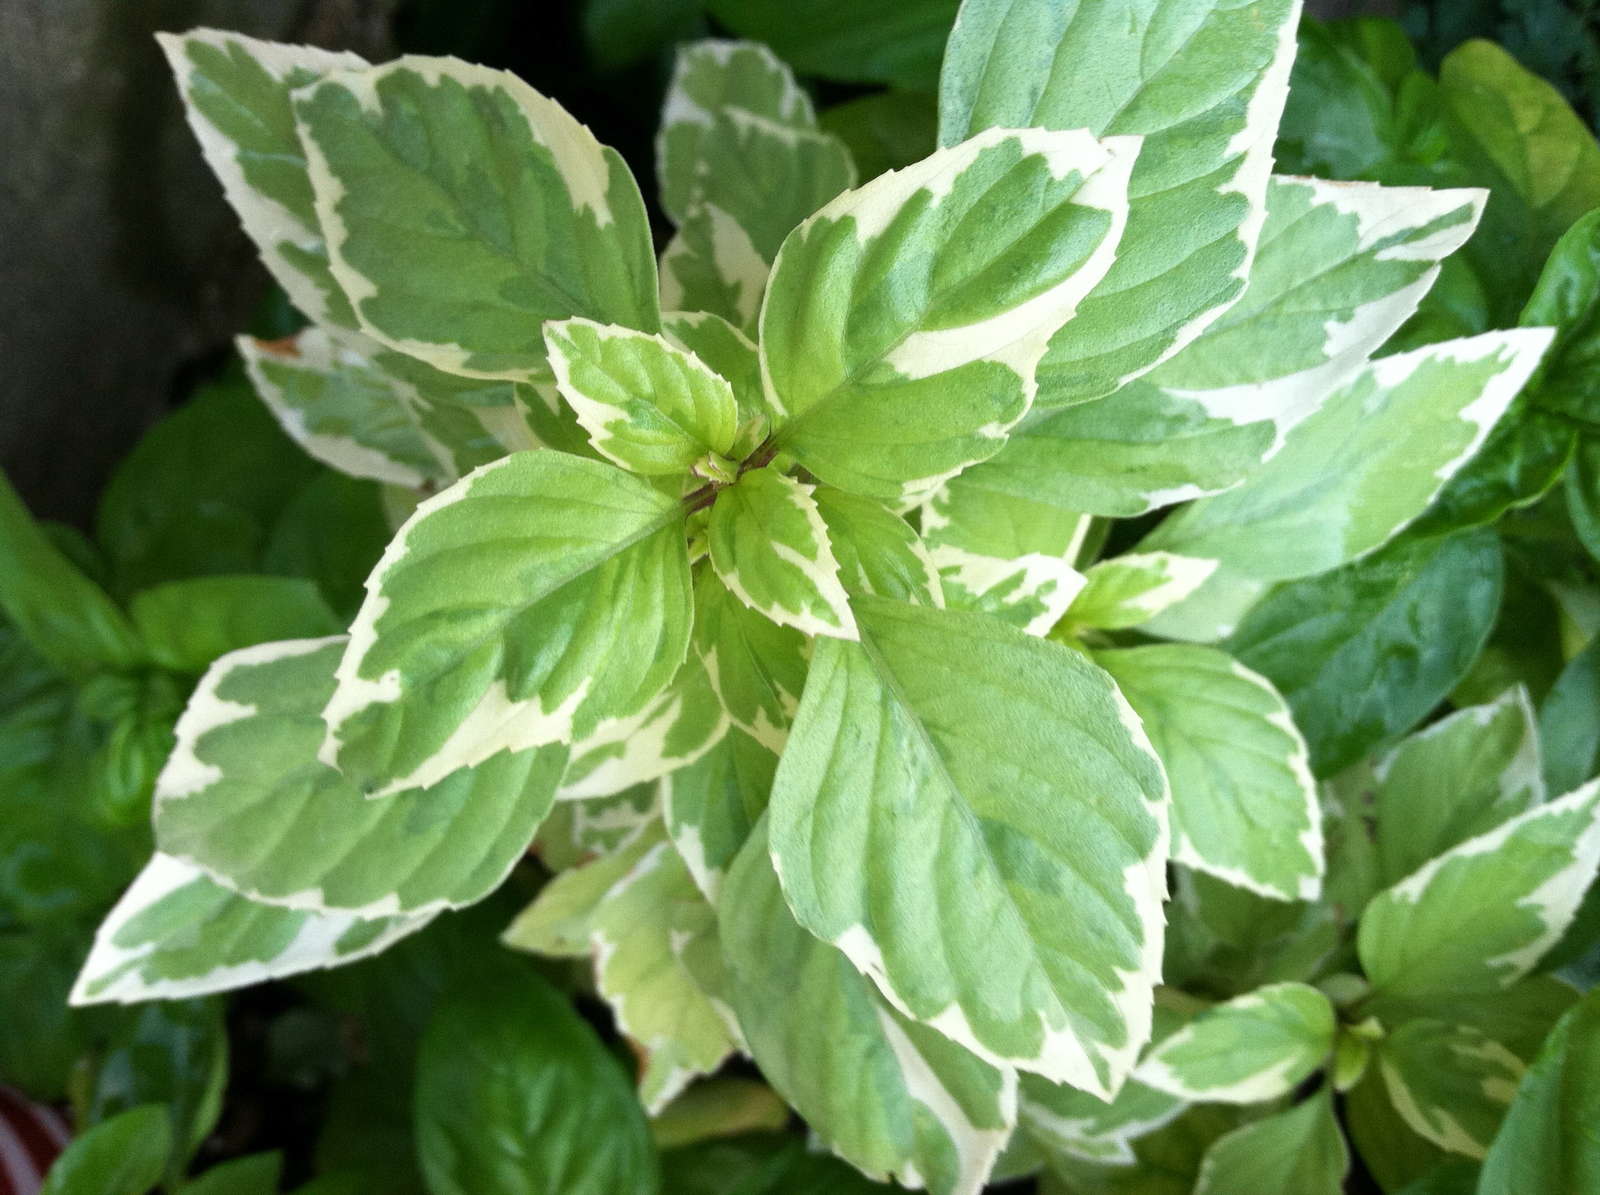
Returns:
(245, 798)
(892, 1097)
(1204, 83)
(1244, 805)
(462, 209)
(1480, 916)
(188, 624)
(1126, 591)
(673, 731)
(647, 405)
(770, 547)
(710, 77)
(516, 1095)
(1459, 778)
(877, 550)
(1003, 554)
(1254, 1048)
(176, 933)
(448, 665)
(1301, 1150)
(335, 405)
(936, 771)
(1368, 462)
(733, 356)
(633, 910)
(125, 1155)
(711, 805)
(1547, 1141)
(1517, 133)
(723, 1107)
(1062, 1120)
(1450, 1084)
(641, 930)
(577, 831)
(561, 920)
(1364, 653)
(903, 321)
(236, 94)
(757, 667)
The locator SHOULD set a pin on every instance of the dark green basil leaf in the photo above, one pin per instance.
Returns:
(198, 493)
(885, 131)
(862, 41)
(1547, 1141)
(187, 624)
(517, 1096)
(333, 531)
(171, 1052)
(255, 1174)
(67, 618)
(1569, 731)
(1363, 653)
(760, 1164)
(123, 1156)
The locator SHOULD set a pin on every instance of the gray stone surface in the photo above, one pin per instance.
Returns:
(120, 266)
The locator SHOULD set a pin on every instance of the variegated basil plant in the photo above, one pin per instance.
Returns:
(758, 585)
(1415, 989)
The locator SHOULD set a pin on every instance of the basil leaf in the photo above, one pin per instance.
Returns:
(517, 1096)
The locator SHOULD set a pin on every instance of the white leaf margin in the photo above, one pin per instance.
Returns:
(312, 948)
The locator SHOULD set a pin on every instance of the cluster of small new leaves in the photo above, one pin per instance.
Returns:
(758, 588)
